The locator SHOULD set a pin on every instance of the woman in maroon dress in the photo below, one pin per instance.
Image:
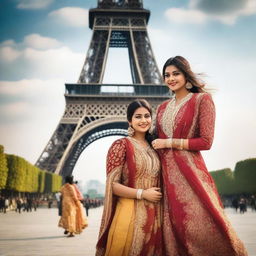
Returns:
(195, 223)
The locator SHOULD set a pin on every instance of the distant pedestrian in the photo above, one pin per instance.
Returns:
(253, 203)
(72, 219)
(6, 204)
(59, 202)
(2, 204)
(18, 205)
(242, 205)
(29, 204)
(50, 203)
(235, 203)
(87, 205)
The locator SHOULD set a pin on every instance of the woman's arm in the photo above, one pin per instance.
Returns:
(170, 143)
(152, 194)
(206, 124)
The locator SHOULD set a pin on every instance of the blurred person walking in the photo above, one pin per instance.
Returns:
(72, 219)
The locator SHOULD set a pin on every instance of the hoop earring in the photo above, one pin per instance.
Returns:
(130, 131)
(188, 85)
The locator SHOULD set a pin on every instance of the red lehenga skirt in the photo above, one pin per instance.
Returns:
(194, 223)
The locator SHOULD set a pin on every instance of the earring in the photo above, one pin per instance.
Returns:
(130, 131)
(188, 85)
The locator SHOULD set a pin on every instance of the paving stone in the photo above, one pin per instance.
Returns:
(37, 233)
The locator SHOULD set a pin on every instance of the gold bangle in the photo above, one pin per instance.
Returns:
(181, 144)
(174, 143)
(139, 193)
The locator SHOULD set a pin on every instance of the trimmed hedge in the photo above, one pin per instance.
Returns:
(241, 181)
(3, 168)
(19, 175)
(245, 176)
(224, 181)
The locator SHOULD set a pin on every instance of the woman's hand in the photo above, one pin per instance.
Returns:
(152, 194)
(158, 143)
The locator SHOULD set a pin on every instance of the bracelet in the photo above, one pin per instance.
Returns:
(139, 193)
(181, 144)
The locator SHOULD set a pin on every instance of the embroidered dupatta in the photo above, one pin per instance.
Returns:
(186, 169)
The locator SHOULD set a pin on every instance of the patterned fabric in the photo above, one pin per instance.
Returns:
(78, 193)
(73, 218)
(195, 223)
(132, 165)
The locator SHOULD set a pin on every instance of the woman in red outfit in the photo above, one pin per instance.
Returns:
(131, 219)
(195, 223)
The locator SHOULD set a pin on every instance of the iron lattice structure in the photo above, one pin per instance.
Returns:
(95, 110)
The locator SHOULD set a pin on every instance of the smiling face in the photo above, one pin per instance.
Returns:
(174, 79)
(141, 120)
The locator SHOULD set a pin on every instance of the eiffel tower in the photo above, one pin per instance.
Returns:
(95, 110)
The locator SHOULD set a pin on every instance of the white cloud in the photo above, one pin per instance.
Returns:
(34, 4)
(23, 87)
(8, 54)
(195, 15)
(15, 109)
(24, 98)
(61, 62)
(72, 16)
(11, 51)
(37, 41)
(38, 57)
(180, 15)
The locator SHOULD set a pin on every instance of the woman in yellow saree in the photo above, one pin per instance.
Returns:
(131, 220)
(73, 219)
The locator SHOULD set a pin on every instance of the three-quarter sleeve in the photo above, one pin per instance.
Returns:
(116, 159)
(206, 123)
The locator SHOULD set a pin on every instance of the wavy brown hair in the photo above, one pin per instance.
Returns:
(183, 65)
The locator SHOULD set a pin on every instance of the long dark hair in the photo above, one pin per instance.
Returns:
(69, 179)
(132, 107)
(183, 65)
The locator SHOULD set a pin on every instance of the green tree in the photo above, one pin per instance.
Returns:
(53, 182)
(57, 182)
(48, 182)
(245, 176)
(3, 168)
(41, 181)
(17, 173)
(224, 181)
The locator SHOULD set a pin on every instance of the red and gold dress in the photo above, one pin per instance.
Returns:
(130, 226)
(194, 222)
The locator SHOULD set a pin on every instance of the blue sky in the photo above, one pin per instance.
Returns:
(43, 44)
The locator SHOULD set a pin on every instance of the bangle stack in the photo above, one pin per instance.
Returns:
(139, 193)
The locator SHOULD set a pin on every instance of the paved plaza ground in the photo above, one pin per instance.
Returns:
(37, 234)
